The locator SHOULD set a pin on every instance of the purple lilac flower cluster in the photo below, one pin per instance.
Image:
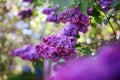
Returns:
(73, 16)
(54, 48)
(26, 52)
(61, 46)
(104, 66)
(25, 13)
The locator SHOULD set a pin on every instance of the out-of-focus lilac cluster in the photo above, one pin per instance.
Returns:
(104, 66)
(27, 1)
(25, 13)
(109, 55)
(73, 16)
(82, 69)
(105, 4)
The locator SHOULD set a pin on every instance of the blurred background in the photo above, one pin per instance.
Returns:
(16, 32)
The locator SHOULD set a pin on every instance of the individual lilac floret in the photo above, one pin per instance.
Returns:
(109, 55)
(70, 30)
(52, 18)
(25, 13)
(26, 52)
(82, 69)
(27, 1)
(48, 11)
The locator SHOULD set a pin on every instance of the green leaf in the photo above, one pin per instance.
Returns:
(95, 12)
(85, 50)
(62, 3)
(84, 4)
(105, 21)
(78, 36)
(98, 20)
(39, 2)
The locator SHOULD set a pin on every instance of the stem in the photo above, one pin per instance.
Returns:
(107, 18)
